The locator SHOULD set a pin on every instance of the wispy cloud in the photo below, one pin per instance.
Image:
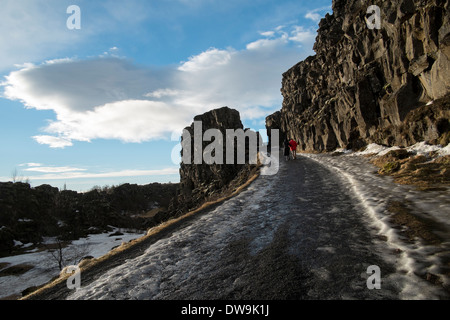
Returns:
(302, 35)
(30, 164)
(37, 172)
(209, 59)
(162, 93)
(42, 169)
(53, 141)
(317, 14)
(112, 174)
(314, 16)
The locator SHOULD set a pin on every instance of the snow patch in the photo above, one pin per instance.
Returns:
(45, 266)
(423, 148)
(420, 148)
(444, 151)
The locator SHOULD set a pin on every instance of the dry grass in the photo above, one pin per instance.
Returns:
(151, 213)
(426, 173)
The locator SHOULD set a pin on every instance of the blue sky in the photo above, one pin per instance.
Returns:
(106, 103)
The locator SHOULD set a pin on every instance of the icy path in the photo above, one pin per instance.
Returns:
(374, 192)
(309, 232)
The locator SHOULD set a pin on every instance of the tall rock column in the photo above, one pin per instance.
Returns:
(202, 181)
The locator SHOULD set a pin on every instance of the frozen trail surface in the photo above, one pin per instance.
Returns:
(301, 234)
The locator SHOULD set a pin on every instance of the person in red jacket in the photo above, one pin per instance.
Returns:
(293, 146)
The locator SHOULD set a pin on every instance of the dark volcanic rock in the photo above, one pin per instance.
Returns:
(28, 214)
(363, 84)
(204, 182)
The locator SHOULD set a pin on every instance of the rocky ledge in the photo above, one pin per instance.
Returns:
(389, 85)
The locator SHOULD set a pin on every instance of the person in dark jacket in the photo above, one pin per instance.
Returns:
(286, 149)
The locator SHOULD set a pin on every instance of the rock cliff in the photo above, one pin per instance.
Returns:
(388, 85)
(200, 182)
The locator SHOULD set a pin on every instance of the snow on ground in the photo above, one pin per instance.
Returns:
(418, 148)
(45, 266)
(371, 190)
(375, 192)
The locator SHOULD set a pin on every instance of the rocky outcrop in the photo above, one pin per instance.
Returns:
(208, 182)
(28, 214)
(368, 85)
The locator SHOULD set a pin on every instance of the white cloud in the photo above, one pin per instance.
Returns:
(127, 120)
(38, 172)
(250, 79)
(41, 169)
(97, 99)
(267, 43)
(30, 164)
(161, 93)
(206, 60)
(299, 34)
(279, 38)
(53, 142)
(111, 98)
(268, 33)
(315, 16)
(80, 85)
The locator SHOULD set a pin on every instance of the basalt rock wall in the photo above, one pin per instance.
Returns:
(203, 181)
(388, 85)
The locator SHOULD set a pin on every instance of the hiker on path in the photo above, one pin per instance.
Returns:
(287, 149)
(293, 146)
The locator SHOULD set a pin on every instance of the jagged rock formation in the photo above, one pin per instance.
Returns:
(371, 85)
(205, 182)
